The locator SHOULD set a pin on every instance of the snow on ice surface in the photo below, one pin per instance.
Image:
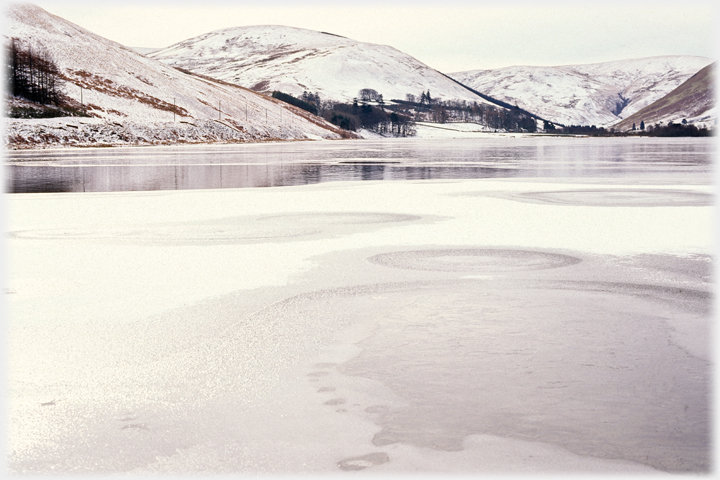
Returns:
(418, 326)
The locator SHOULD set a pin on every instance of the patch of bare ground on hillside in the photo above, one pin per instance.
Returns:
(262, 86)
(91, 81)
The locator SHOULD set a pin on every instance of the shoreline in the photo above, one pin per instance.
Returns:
(429, 131)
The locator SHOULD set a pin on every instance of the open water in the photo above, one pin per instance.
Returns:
(301, 163)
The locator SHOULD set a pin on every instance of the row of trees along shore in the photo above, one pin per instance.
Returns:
(398, 117)
(428, 109)
(357, 115)
(670, 129)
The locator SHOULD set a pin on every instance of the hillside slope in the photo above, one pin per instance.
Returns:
(592, 94)
(135, 99)
(294, 60)
(693, 101)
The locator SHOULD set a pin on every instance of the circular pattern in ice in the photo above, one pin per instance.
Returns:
(477, 260)
(619, 197)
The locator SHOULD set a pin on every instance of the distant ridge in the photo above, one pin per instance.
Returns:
(333, 34)
(292, 60)
(598, 94)
(693, 101)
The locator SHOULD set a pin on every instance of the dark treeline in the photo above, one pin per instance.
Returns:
(590, 130)
(356, 115)
(376, 119)
(428, 109)
(32, 74)
(398, 117)
(296, 102)
(677, 130)
(669, 130)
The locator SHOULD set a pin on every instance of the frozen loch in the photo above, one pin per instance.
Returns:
(486, 305)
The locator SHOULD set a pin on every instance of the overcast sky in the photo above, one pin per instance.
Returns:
(447, 35)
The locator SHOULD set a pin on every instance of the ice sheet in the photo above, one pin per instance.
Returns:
(386, 326)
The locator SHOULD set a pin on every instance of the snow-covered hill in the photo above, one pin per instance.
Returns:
(135, 99)
(294, 60)
(592, 94)
(693, 102)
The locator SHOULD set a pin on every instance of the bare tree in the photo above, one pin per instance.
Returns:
(368, 95)
(32, 75)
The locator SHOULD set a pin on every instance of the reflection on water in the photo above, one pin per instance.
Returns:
(24, 179)
(300, 163)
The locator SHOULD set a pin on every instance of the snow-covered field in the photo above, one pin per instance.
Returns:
(457, 130)
(492, 325)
